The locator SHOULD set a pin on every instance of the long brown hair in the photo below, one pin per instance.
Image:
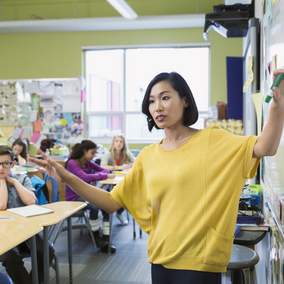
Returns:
(21, 143)
(124, 150)
(79, 149)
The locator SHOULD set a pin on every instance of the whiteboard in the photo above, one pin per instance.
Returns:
(273, 56)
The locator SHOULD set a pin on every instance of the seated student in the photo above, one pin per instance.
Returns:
(16, 191)
(45, 145)
(119, 155)
(19, 149)
(80, 164)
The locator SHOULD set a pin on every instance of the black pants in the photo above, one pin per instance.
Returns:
(14, 265)
(162, 275)
(109, 189)
(94, 213)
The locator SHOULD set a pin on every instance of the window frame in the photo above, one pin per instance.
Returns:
(124, 112)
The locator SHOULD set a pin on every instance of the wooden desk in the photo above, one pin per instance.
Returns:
(112, 181)
(108, 185)
(62, 210)
(14, 230)
(25, 170)
(114, 168)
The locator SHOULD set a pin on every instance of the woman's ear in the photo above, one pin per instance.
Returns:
(185, 103)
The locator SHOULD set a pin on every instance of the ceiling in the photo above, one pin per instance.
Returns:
(16, 10)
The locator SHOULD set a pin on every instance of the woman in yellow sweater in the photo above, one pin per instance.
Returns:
(198, 174)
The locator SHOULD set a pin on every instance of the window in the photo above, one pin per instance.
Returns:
(116, 80)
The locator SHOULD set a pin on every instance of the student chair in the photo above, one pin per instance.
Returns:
(249, 238)
(134, 230)
(83, 222)
(5, 279)
(53, 187)
(242, 258)
(53, 264)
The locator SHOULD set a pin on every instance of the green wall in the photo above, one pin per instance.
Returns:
(59, 55)
(65, 9)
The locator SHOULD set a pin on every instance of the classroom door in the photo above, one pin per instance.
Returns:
(235, 87)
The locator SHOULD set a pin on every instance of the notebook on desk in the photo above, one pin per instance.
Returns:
(118, 178)
(31, 210)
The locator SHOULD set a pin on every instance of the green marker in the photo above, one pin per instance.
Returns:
(275, 85)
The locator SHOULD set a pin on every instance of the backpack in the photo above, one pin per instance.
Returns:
(41, 190)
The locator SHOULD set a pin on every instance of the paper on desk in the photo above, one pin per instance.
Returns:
(31, 210)
(118, 178)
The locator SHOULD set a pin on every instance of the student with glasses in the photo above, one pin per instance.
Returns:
(16, 191)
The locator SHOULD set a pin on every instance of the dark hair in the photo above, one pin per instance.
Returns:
(5, 150)
(21, 143)
(46, 144)
(178, 83)
(79, 149)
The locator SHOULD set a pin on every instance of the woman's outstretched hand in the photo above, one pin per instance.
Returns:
(51, 168)
(278, 93)
(46, 165)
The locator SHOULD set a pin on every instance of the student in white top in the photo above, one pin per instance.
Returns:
(20, 150)
(119, 155)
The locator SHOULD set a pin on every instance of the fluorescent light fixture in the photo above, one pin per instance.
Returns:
(105, 24)
(123, 8)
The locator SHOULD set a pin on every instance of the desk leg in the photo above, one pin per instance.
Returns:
(45, 256)
(110, 236)
(69, 240)
(34, 260)
(108, 230)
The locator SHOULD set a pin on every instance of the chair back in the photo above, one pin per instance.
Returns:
(5, 279)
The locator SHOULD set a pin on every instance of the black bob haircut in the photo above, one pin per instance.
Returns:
(178, 83)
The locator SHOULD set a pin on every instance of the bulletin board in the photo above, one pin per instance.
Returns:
(50, 107)
(56, 104)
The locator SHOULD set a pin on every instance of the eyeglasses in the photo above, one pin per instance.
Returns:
(6, 164)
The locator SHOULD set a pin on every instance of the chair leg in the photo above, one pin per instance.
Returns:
(51, 231)
(90, 230)
(84, 222)
(56, 268)
(134, 229)
(60, 229)
(237, 277)
(252, 276)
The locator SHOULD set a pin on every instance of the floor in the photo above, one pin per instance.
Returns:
(128, 265)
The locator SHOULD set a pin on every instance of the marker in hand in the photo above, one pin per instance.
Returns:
(277, 80)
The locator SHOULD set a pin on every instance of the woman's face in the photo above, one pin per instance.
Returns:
(17, 149)
(90, 154)
(166, 106)
(118, 144)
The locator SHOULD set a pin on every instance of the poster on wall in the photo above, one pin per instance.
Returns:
(62, 125)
